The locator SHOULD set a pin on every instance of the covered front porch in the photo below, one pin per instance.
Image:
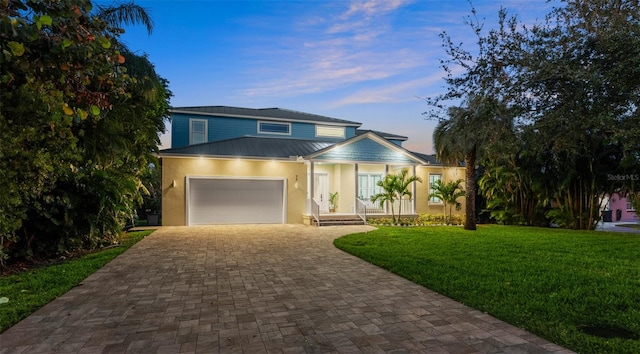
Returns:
(343, 178)
(344, 191)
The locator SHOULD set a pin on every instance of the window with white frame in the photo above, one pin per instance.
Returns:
(197, 131)
(274, 128)
(433, 178)
(368, 185)
(630, 206)
(329, 131)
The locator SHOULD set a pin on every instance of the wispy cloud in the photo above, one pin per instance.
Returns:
(365, 42)
(403, 91)
(355, 44)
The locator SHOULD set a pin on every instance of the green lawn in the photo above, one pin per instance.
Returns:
(32, 289)
(556, 283)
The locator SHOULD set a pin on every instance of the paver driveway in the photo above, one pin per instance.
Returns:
(257, 289)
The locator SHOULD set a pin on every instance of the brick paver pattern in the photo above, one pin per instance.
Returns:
(257, 289)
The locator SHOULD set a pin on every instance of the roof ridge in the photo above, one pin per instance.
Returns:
(266, 113)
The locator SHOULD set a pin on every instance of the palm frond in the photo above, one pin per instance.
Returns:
(125, 14)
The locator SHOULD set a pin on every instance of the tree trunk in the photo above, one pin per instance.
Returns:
(470, 196)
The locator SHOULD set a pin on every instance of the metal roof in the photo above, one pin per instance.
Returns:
(382, 134)
(263, 113)
(251, 147)
(431, 159)
(267, 148)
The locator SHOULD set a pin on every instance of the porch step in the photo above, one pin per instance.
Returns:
(338, 221)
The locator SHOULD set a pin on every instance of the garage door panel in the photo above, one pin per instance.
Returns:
(235, 201)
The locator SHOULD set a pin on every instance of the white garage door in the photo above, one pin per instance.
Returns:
(235, 201)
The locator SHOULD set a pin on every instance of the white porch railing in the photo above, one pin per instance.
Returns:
(373, 208)
(407, 206)
(361, 210)
(315, 210)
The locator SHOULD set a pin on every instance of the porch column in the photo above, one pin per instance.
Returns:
(355, 201)
(311, 186)
(413, 191)
(386, 205)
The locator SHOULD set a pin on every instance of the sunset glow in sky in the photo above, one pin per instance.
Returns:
(367, 61)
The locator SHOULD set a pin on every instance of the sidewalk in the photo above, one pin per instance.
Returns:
(618, 227)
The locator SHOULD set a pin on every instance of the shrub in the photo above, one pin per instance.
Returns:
(423, 219)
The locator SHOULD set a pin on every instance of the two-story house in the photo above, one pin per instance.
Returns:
(231, 165)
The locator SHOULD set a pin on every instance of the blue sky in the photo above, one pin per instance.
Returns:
(360, 60)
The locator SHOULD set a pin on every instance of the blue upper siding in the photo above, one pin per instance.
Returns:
(223, 128)
(365, 150)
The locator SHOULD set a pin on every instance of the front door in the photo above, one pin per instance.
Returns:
(321, 190)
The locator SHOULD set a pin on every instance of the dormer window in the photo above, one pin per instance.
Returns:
(274, 128)
(329, 131)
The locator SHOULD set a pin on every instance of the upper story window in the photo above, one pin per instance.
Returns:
(432, 180)
(274, 128)
(329, 131)
(197, 131)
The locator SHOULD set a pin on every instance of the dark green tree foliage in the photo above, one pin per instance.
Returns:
(77, 130)
(581, 73)
(560, 111)
(480, 95)
(512, 181)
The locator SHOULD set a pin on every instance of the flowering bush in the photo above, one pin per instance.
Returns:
(422, 220)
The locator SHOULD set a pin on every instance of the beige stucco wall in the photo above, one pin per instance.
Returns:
(422, 189)
(347, 190)
(174, 198)
(367, 168)
(341, 180)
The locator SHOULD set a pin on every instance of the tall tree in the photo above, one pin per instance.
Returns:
(122, 14)
(580, 71)
(464, 136)
(482, 96)
(77, 129)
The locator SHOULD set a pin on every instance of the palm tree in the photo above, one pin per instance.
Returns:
(395, 187)
(388, 194)
(463, 136)
(121, 14)
(448, 193)
(125, 14)
(402, 186)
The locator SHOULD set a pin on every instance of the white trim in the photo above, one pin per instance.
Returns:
(206, 130)
(274, 133)
(228, 157)
(188, 178)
